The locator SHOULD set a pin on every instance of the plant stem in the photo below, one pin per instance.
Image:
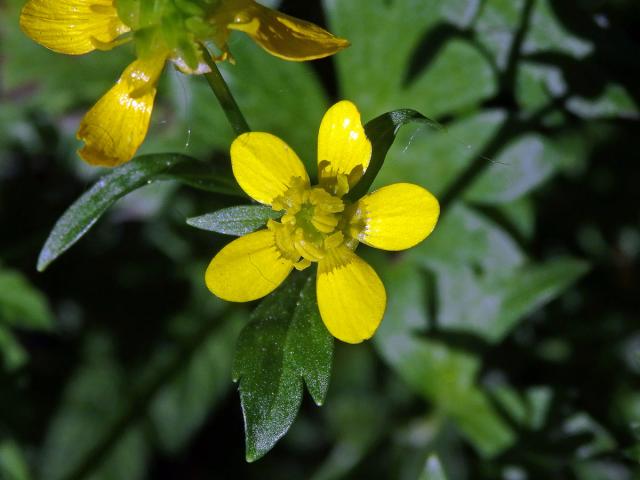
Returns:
(224, 96)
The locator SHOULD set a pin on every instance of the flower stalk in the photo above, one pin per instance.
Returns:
(225, 97)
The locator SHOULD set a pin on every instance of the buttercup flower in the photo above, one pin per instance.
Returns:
(319, 225)
(162, 30)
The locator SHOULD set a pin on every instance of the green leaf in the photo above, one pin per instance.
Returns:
(13, 465)
(491, 305)
(441, 374)
(614, 102)
(523, 165)
(236, 221)
(86, 211)
(382, 132)
(435, 158)
(372, 70)
(458, 78)
(285, 343)
(22, 305)
(465, 237)
(433, 469)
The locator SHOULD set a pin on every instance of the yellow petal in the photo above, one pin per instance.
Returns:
(117, 124)
(265, 166)
(248, 268)
(343, 146)
(396, 217)
(73, 27)
(351, 296)
(284, 36)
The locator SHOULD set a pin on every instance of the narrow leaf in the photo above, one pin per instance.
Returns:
(285, 343)
(236, 221)
(85, 211)
(382, 132)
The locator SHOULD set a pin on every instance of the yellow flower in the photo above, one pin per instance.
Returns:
(162, 30)
(320, 225)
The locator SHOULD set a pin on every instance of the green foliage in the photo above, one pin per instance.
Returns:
(236, 221)
(285, 344)
(494, 338)
(83, 214)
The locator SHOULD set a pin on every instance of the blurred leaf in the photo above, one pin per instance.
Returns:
(182, 404)
(13, 466)
(600, 440)
(458, 78)
(603, 470)
(236, 221)
(523, 165)
(357, 412)
(13, 354)
(433, 469)
(441, 374)
(527, 410)
(490, 306)
(359, 421)
(91, 403)
(435, 158)
(285, 344)
(546, 33)
(373, 71)
(22, 305)
(614, 102)
(382, 132)
(536, 84)
(82, 215)
(520, 215)
(496, 26)
(465, 237)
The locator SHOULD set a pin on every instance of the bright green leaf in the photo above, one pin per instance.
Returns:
(236, 221)
(285, 344)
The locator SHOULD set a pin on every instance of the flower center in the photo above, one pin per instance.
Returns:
(314, 222)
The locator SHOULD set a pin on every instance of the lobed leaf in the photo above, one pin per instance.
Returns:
(285, 344)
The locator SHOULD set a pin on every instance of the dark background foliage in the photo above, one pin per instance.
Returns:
(116, 362)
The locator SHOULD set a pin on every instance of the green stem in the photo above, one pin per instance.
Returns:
(224, 96)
